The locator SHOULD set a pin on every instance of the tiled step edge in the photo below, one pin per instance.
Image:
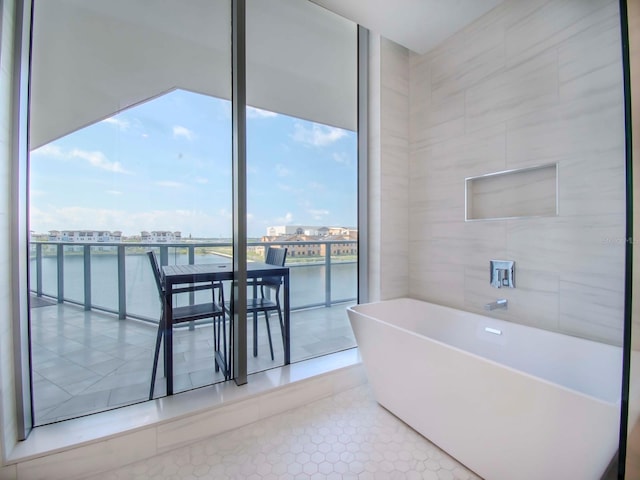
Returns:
(105, 441)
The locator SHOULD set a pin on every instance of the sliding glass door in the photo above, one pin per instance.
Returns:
(302, 171)
(130, 152)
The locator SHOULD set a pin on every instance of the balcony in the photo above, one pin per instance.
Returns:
(95, 311)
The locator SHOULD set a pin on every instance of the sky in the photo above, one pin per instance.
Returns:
(166, 165)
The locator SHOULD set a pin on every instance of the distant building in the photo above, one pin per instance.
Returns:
(85, 236)
(38, 237)
(160, 236)
(302, 235)
(282, 230)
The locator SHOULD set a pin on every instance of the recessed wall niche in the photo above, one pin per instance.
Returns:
(525, 192)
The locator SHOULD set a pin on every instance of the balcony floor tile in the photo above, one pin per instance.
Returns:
(87, 361)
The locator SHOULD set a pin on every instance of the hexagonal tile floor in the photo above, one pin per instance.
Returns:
(346, 436)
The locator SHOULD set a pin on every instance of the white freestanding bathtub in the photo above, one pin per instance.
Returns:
(506, 400)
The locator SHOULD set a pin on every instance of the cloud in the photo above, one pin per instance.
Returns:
(290, 188)
(282, 171)
(121, 123)
(317, 135)
(318, 214)
(224, 110)
(201, 180)
(253, 112)
(97, 159)
(50, 150)
(288, 218)
(130, 223)
(342, 158)
(170, 184)
(114, 192)
(179, 131)
(228, 214)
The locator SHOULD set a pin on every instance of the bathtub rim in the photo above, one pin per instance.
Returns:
(353, 308)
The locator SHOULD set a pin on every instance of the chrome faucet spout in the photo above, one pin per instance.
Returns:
(500, 303)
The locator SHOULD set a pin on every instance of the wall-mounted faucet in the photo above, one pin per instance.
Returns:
(502, 273)
(500, 303)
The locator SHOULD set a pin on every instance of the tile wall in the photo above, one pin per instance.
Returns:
(7, 414)
(374, 198)
(634, 66)
(632, 464)
(529, 83)
(388, 169)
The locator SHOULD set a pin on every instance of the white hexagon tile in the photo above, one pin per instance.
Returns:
(346, 436)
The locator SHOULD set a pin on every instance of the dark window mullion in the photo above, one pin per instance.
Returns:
(239, 132)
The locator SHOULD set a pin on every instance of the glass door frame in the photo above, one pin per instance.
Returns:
(19, 197)
(239, 146)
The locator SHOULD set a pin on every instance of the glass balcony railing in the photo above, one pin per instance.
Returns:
(117, 278)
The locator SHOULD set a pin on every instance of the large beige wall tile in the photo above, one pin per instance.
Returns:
(388, 241)
(485, 241)
(632, 464)
(394, 170)
(445, 244)
(595, 47)
(460, 70)
(462, 244)
(587, 245)
(578, 327)
(524, 88)
(449, 130)
(533, 302)
(394, 66)
(442, 110)
(568, 128)
(438, 173)
(440, 201)
(394, 123)
(437, 284)
(542, 85)
(8, 425)
(601, 78)
(634, 61)
(592, 183)
(473, 154)
(550, 24)
(594, 304)
(468, 58)
(419, 85)
(374, 200)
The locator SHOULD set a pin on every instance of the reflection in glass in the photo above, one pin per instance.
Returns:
(130, 151)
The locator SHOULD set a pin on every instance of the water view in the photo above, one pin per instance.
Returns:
(308, 280)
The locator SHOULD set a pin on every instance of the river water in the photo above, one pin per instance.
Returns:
(307, 282)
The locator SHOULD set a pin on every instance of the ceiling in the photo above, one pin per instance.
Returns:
(75, 83)
(93, 58)
(419, 25)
